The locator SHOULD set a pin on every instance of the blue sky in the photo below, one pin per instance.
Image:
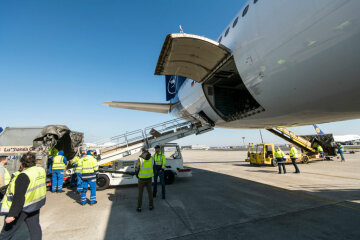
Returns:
(61, 59)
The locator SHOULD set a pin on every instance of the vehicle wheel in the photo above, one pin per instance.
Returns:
(169, 177)
(102, 182)
(305, 159)
(274, 162)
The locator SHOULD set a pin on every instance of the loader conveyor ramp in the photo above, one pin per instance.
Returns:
(292, 138)
(130, 143)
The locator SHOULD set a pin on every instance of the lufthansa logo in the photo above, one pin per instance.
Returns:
(171, 87)
(318, 130)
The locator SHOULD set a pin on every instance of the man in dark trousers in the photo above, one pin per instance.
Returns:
(159, 170)
(145, 171)
(24, 197)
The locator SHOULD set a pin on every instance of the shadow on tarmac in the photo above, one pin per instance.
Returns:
(211, 205)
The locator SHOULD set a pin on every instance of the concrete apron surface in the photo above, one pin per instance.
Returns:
(225, 199)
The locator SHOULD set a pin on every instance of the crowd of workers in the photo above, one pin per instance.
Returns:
(24, 193)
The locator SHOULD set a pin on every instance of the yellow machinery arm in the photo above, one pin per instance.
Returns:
(292, 138)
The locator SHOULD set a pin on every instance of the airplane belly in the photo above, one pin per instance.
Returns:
(302, 66)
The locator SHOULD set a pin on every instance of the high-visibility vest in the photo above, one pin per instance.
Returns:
(89, 167)
(279, 154)
(35, 196)
(78, 165)
(53, 152)
(4, 176)
(58, 163)
(293, 152)
(146, 168)
(160, 159)
(341, 148)
(320, 149)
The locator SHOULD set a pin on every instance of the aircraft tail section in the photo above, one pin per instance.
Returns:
(173, 84)
(318, 130)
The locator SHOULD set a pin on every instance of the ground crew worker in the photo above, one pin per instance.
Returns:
(293, 156)
(25, 196)
(74, 163)
(53, 152)
(145, 171)
(58, 167)
(78, 170)
(4, 174)
(340, 148)
(89, 172)
(321, 151)
(159, 171)
(280, 158)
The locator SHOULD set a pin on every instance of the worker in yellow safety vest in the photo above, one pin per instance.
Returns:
(25, 195)
(159, 171)
(321, 151)
(280, 158)
(89, 172)
(340, 149)
(145, 171)
(58, 167)
(294, 157)
(4, 173)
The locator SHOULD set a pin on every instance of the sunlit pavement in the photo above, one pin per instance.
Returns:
(225, 199)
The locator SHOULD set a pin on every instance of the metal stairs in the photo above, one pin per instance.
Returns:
(120, 146)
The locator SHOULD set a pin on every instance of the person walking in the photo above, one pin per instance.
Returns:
(280, 158)
(58, 167)
(340, 149)
(159, 171)
(293, 156)
(24, 198)
(89, 172)
(145, 171)
(4, 173)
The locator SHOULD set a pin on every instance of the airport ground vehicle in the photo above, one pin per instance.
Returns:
(264, 154)
(122, 172)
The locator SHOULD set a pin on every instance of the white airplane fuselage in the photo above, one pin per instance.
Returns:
(300, 60)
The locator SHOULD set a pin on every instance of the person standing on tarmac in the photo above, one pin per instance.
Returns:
(58, 167)
(159, 171)
(280, 158)
(89, 172)
(24, 198)
(4, 174)
(145, 171)
(78, 171)
(293, 156)
(340, 149)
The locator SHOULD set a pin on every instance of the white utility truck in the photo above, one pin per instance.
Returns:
(122, 172)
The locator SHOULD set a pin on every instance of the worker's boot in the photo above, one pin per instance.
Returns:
(138, 209)
(93, 203)
(163, 196)
(151, 208)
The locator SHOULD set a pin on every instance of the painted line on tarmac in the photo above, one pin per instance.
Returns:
(328, 175)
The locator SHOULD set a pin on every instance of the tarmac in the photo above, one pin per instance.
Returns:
(225, 199)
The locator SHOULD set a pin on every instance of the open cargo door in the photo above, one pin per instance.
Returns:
(190, 56)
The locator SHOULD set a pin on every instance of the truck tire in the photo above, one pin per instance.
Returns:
(169, 177)
(102, 182)
(305, 159)
(274, 162)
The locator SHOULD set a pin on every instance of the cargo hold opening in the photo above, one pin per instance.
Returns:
(228, 95)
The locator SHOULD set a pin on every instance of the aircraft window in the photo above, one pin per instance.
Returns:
(245, 10)
(227, 32)
(255, 1)
(220, 39)
(235, 21)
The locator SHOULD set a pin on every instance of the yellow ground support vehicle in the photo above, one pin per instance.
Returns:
(263, 154)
